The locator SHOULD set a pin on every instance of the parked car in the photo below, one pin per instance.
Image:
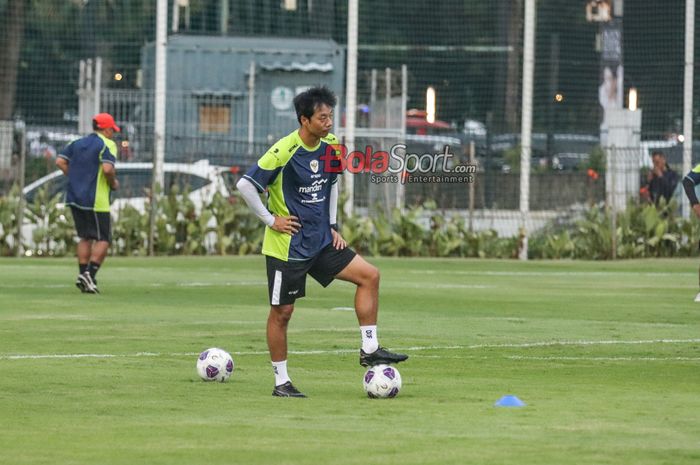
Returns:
(570, 161)
(202, 179)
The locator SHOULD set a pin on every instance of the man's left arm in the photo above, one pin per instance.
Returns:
(338, 241)
(108, 158)
(111, 175)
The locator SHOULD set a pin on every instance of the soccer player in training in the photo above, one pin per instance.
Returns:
(89, 165)
(691, 180)
(301, 235)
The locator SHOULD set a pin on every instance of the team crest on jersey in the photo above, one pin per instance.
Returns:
(314, 166)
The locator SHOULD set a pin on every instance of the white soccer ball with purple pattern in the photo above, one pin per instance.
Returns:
(214, 365)
(382, 381)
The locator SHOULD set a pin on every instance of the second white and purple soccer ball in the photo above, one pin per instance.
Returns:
(382, 381)
(215, 365)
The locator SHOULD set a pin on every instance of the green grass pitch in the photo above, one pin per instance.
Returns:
(605, 355)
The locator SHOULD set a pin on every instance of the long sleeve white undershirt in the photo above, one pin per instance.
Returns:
(252, 198)
(333, 207)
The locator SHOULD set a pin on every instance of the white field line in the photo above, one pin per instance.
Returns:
(221, 283)
(552, 273)
(343, 309)
(582, 343)
(408, 349)
(179, 284)
(555, 358)
(35, 286)
(608, 359)
(257, 283)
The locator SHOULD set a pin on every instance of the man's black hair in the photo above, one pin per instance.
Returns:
(95, 127)
(306, 103)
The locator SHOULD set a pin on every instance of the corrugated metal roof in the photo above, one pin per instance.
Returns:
(217, 93)
(296, 66)
(283, 45)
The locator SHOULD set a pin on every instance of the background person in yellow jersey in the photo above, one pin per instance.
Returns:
(89, 165)
(301, 235)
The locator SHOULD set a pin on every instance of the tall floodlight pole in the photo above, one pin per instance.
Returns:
(350, 99)
(98, 85)
(688, 94)
(526, 123)
(159, 123)
(251, 109)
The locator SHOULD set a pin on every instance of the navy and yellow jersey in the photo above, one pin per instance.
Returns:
(87, 186)
(298, 184)
(691, 180)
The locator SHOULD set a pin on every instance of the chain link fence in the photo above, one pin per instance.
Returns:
(235, 65)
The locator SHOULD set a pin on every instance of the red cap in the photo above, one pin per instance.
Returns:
(105, 121)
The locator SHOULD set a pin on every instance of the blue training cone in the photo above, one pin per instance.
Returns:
(510, 401)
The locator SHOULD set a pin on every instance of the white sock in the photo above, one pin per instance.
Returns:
(280, 369)
(370, 343)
